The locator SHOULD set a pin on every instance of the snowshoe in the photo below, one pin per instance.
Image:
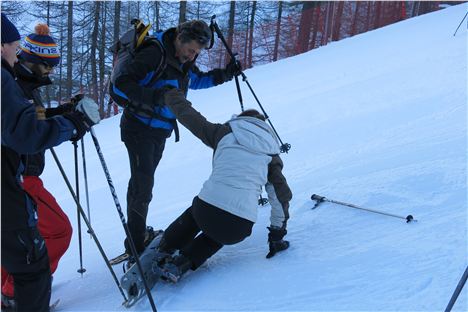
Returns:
(150, 234)
(132, 281)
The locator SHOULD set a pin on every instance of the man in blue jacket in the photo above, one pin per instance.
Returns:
(24, 254)
(147, 122)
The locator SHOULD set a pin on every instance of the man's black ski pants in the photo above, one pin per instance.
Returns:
(145, 146)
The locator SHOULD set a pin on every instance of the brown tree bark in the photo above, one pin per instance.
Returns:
(69, 84)
(315, 30)
(278, 30)
(378, 14)
(102, 59)
(251, 32)
(337, 24)
(182, 11)
(230, 38)
(94, 36)
(305, 25)
(355, 18)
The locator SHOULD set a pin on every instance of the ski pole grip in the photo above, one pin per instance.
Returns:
(317, 197)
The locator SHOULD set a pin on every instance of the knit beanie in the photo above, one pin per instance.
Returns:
(9, 32)
(40, 47)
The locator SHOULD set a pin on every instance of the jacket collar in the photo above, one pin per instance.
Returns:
(8, 67)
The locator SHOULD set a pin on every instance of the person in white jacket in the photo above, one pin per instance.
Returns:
(245, 158)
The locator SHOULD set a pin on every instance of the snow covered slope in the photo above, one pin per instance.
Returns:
(377, 120)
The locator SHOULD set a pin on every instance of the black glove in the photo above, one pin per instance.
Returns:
(64, 108)
(233, 68)
(59, 110)
(275, 240)
(81, 124)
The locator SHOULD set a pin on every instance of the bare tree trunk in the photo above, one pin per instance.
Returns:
(117, 8)
(156, 14)
(416, 6)
(230, 38)
(278, 29)
(47, 88)
(198, 10)
(378, 11)
(61, 57)
(94, 36)
(330, 19)
(355, 18)
(338, 17)
(182, 11)
(102, 57)
(316, 18)
(305, 25)
(70, 51)
(251, 31)
(368, 19)
(245, 55)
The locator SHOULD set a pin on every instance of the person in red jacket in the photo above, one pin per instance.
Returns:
(37, 59)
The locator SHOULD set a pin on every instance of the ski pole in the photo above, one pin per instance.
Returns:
(285, 147)
(122, 219)
(457, 291)
(91, 231)
(460, 24)
(320, 199)
(81, 270)
(85, 174)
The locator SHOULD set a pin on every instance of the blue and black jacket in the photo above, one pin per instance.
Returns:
(154, 66)
(22, 133)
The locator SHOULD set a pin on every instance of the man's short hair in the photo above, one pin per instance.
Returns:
(196, 30)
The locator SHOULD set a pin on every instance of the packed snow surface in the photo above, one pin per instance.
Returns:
(378, 120)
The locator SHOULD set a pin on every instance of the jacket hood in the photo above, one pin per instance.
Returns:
(254, 134)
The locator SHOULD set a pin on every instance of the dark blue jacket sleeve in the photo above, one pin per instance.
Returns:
(21, 130)
(203, 80)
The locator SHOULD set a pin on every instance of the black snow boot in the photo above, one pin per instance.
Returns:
(174, 270)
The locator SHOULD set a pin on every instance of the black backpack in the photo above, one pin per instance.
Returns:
(127, 46)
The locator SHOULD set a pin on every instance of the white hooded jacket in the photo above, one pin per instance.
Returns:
(246, 158)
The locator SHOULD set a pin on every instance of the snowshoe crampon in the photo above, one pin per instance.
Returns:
(132, 281)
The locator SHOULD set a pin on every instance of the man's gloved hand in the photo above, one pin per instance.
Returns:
(233, 68)
(275, 240)
(64, 108)
(85, 115)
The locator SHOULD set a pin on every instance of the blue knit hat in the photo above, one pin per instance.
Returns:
(40, 47)
(9, 32)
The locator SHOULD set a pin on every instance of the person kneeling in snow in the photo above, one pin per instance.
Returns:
(246, 157)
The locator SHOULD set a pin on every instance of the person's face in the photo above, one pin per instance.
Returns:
(9, 52)
(186, 52)
(41, 69)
